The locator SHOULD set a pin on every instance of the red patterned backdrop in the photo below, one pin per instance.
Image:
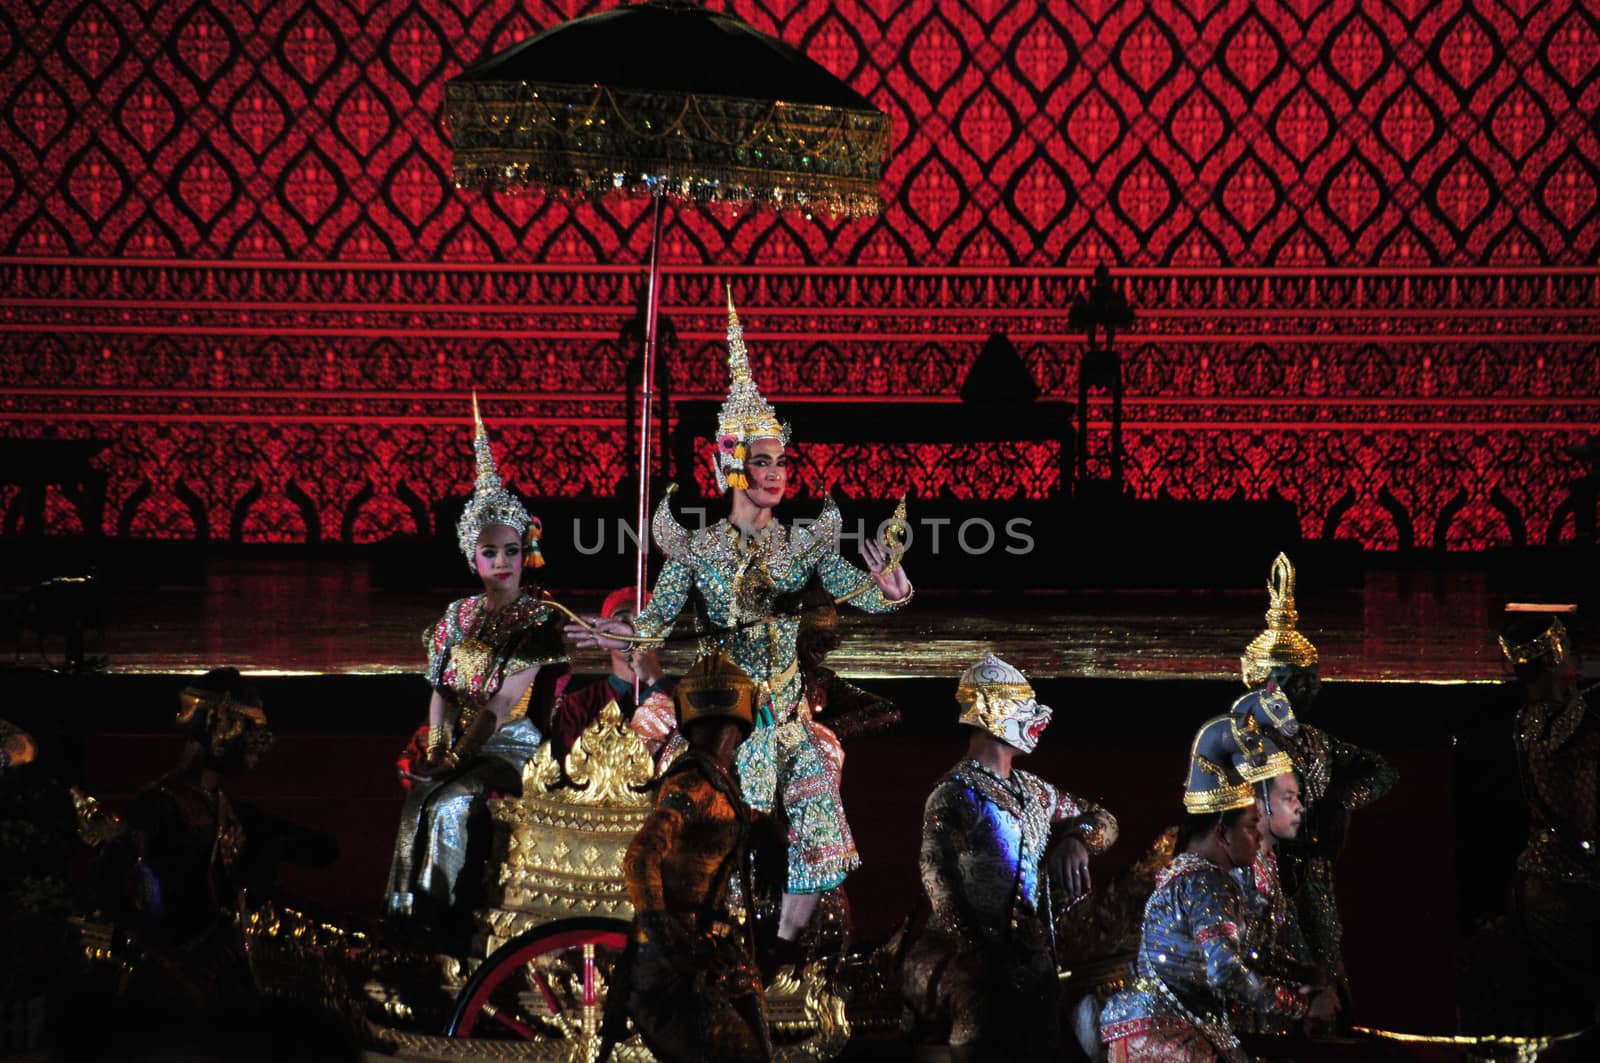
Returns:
(1362, 236)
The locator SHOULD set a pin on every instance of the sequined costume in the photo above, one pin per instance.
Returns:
(1557, 884)
(737, 582)
(688, 979)
(846, 709)
(175, 873)
(1336, 777)
(1191, 966)
(471, 651)
(1536, 970)
(1272, 940)
(984, 964)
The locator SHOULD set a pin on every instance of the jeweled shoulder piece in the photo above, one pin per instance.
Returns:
(821, 536)
(671, 537)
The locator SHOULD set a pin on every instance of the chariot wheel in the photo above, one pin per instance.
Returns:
(548, 983)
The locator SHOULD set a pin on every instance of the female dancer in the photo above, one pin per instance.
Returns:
(485, 658)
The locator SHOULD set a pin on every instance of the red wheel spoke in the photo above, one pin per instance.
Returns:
(545, 991)
(516, 1026)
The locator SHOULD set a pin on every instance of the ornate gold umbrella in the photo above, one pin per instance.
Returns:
(669, 100)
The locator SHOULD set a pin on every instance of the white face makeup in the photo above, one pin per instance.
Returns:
(499, 559)
(768, 470)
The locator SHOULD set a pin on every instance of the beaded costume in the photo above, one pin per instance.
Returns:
(1272, 939)
(738, 581)
(1336, 777)
(1193, 966)
(471, 651)
(985, 963)
(1557, 884)
(181, 862)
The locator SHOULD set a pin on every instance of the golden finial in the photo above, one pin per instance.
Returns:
(1281, 643)
(894, 534)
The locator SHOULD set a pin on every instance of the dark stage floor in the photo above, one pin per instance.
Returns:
(324, 617)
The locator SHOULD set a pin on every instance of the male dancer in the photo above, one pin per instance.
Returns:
(1192, 967)
(985, 964)
(688, 979)
(1336, 777)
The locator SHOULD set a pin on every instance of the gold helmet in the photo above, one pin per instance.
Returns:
(1280, 645)
(715, 687)
(1215, 783)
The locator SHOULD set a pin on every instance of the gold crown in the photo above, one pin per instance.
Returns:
(491, 504)
(1280, 644)
(1552, 643)
(716, 687)
(745, 415)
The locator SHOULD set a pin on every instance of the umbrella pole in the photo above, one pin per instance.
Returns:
(646, 396)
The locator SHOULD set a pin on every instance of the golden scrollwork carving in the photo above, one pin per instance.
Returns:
(565, 837)
(609, 764)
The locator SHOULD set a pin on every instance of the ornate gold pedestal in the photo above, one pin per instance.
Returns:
(562, 841)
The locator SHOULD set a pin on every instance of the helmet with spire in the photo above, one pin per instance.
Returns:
(745, 415)
(1281, 644)
(492, 504)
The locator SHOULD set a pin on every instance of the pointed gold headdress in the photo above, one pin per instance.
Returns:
(1552, 644)
(1280, 644)
(492, 504)
(745, 415)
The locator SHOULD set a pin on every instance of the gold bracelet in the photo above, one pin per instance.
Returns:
(911, 592)
(437, 738)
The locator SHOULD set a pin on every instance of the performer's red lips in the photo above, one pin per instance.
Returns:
(502, 575)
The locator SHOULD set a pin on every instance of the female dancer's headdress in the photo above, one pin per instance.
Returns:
(492, 504)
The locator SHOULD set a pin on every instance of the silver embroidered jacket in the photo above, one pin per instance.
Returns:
(1191, 965)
